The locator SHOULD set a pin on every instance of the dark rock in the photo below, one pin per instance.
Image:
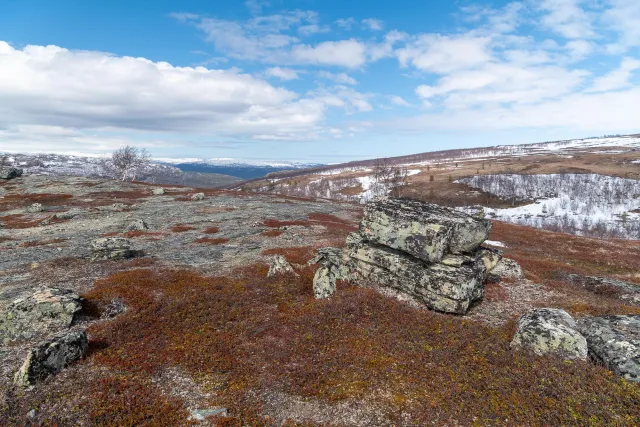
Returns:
(550, 331)
(10, 173)
(46, 310)
(138, 225)
(615, 342)
(52, 356)
(424, 230)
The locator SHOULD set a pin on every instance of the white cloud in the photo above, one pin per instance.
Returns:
(617, 79)
(373, 24)
(308, 30)
(443, 54)
(623, 17)
(345, 53)
(346, 23)
(502, 83)
(282, 73)
(52, 86)
(567, 18)
(397, 100)
(603, 112)
(337, 77)
(256, 6)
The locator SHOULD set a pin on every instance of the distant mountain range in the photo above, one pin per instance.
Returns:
(242, 169)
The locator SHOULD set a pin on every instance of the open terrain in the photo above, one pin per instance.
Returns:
(203, 327)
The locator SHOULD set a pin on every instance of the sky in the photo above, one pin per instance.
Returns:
(319, 81)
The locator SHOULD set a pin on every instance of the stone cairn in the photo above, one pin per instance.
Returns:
(426, 251)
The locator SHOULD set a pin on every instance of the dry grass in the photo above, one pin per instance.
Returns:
(35, 243)
(546, 257)
(181, 228)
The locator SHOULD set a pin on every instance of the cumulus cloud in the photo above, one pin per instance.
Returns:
(52, 86)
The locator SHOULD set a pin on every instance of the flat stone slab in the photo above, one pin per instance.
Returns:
(424, 230)
(615, 342)
(449, 288)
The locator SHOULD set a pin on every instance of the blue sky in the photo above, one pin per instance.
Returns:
(311, 80)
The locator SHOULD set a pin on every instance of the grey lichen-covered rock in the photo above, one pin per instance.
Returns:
(46, 310)
(111, 248)
(450, 287)
(280, 266)
(138, 225)
(333, 267)
(507, 269)
(550, 331)
(424, 230)
(490, 257)
(203, 414)
(52, 356)
(615, 342)
(158, 191)
(10, 173)
(197, 196)
(34, 208)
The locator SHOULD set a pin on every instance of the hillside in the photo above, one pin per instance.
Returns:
(83, 166)
(191, 325)
(490, 180)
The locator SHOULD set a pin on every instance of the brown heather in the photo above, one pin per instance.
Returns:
(251, 334)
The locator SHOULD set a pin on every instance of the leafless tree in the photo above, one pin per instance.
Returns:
(127, 162)
(388, 178)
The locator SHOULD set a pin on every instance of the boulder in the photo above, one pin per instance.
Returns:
(111, 248)
(10, 173)
(550, 331)
(614, 341)
(507, 269)
(52, 356)
(69, 214)
(490, 257)
(46, 310)
(34, 208)
(425, 231)
(450, 286)
(324, 284)
(158, 191)
(279, 266)
(197, 196)
(138, 225)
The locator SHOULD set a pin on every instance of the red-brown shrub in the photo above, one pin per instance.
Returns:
(181, 228)
(211, 241)
(272, 233)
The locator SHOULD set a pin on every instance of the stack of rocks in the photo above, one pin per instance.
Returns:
(429, 252)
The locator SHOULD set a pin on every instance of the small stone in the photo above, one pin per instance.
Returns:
(32, 414)
(280, 266)
(34, 208)
(111, 248)
(138, 225)
(197, 196)
(203, 414)
(52, 356)
(550, 331)
(508, 269)
(158, 191)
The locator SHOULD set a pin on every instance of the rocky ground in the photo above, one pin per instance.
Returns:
(192, 324)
